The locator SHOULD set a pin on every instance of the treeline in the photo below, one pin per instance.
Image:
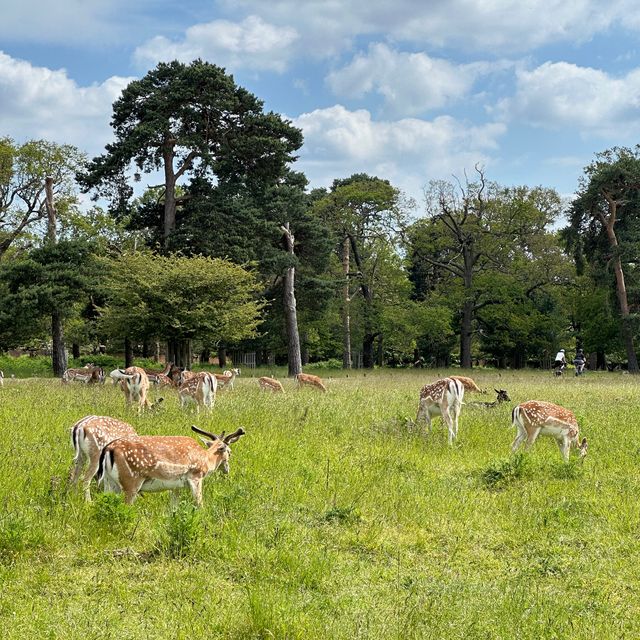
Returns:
(227, 248)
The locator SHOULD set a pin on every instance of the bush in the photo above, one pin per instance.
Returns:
(332, 363)
(503, 472)
(183, 528)
(109, 509)
(27, 366)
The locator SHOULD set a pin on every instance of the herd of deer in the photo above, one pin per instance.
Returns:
(129, 463)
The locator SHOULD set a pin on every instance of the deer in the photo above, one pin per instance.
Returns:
(502, 396)
(89, 436)
(154, 376)
(159, 463)
(89, 374)
(444, 398)
(270, 384)
(1, 378)
(310, 380)
(226, 379)
(135, 385)
(536, 417)
(200, 389)
(468, 383)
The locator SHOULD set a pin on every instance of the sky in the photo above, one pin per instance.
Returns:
(408, 90)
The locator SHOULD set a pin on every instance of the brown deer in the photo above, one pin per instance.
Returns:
(1, 378)
(89, 374)
(200, 389)
(270, 384)
(160, 463)
(226, 379)
(135, 385)
(311, 381)
(156, 376)
(89, 436)
(535, 418)
(468, 383)
(442, 398)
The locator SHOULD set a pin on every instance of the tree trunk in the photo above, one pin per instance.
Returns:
(291, 315)
(58, 353)
(222, 356)
(380, 355)
(75, 350)
(346, 307)
(205, 354)
(368, 359)
(128, 353)
(170, 188)
(466, 324)
(146, 349)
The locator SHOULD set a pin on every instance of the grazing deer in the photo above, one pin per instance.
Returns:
(89, 374)
(535, 417)
(270, 384)
(201, 389)
(135, 385)
(444, 398)
(468, 383)
(162, 380)
(502, 396)
(154, 376)
(226, 379)
(1, 378)
(89, 436)
(312, 381)
(160, 463)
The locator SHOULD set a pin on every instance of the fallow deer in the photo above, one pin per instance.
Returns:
(1, 378)
(270, 384)
(154, 376)
(89, 436)
(135, 385)
(502, 396)
(226, 379)
(160, 463)
(444, 398)
(468, 383)
(310, 380)
(200, 389)
(535, 418)
(89, 374)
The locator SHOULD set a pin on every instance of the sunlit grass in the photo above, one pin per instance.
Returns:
(339, 519)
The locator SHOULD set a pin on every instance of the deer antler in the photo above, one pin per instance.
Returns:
(213, 436)
(233, 437)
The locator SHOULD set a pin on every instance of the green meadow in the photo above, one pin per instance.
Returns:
(339, 519)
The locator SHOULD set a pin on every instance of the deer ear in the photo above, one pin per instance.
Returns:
(207, 443)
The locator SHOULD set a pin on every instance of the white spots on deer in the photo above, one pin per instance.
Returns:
(135, 385)
(442, 398)
(270, 384)
(200, 389)
(306, 379)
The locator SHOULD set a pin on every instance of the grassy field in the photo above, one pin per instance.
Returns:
(337, 520)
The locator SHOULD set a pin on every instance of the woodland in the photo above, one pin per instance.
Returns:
(194, 233)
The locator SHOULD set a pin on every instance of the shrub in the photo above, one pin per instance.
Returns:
(183, 528)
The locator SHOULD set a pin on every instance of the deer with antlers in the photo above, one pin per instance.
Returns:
(89, 436)
(537, 418)
(161, 463)
(134, 382)
(442, 398)
(306, 379)
(270, 384)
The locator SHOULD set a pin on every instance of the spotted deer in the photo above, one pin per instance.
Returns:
(161, 463)
(89, 436)
(200, 389)
(538, 418)
(442, 398)
(502, 396)
(89, 374)
(226, 379)
(311, 381)
(156, 376)
(1, 378)
(270, 384)
(135, 385)
(468, 383)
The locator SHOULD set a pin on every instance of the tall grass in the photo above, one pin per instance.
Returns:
(338, 520)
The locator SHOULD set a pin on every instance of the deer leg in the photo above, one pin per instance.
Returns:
(564, 445)
(195, 484)
(532, 437)
(519, 439)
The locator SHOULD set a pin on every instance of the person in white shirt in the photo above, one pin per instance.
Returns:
(561, 361)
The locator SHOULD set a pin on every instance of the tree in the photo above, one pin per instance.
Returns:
(191, 119)
(23, 169)
(606, 209)
(290, 310)
(180, 299)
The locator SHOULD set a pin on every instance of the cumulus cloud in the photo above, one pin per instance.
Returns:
(410, 83)
(40, 103)
(409, 151)
(252, 43)
(489, 25)
(561, 95)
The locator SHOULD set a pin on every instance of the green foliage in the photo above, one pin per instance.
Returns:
(26, 366)
(110, 512)
(500, 474)
(183, 529)
(17, 535)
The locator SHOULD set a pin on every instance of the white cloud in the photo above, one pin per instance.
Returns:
(410, 83)
(562, 95)
(252, 43)
(490, 25)
(37, 102)
(409, 152)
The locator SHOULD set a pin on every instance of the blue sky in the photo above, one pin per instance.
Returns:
(406, 90)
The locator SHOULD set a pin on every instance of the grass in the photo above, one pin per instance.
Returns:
(338, 520)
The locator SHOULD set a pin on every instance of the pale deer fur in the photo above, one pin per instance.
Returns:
(162, 380)
(1, 378)
(200, 389)
(468, 383)
(155, 376)
(537, 418)
(89, 436)
(89, 374)
(442, 398)
(160, 463)
(270, 384)
(502, 396)
(135, 385)
(310, 380)
(226, 379)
